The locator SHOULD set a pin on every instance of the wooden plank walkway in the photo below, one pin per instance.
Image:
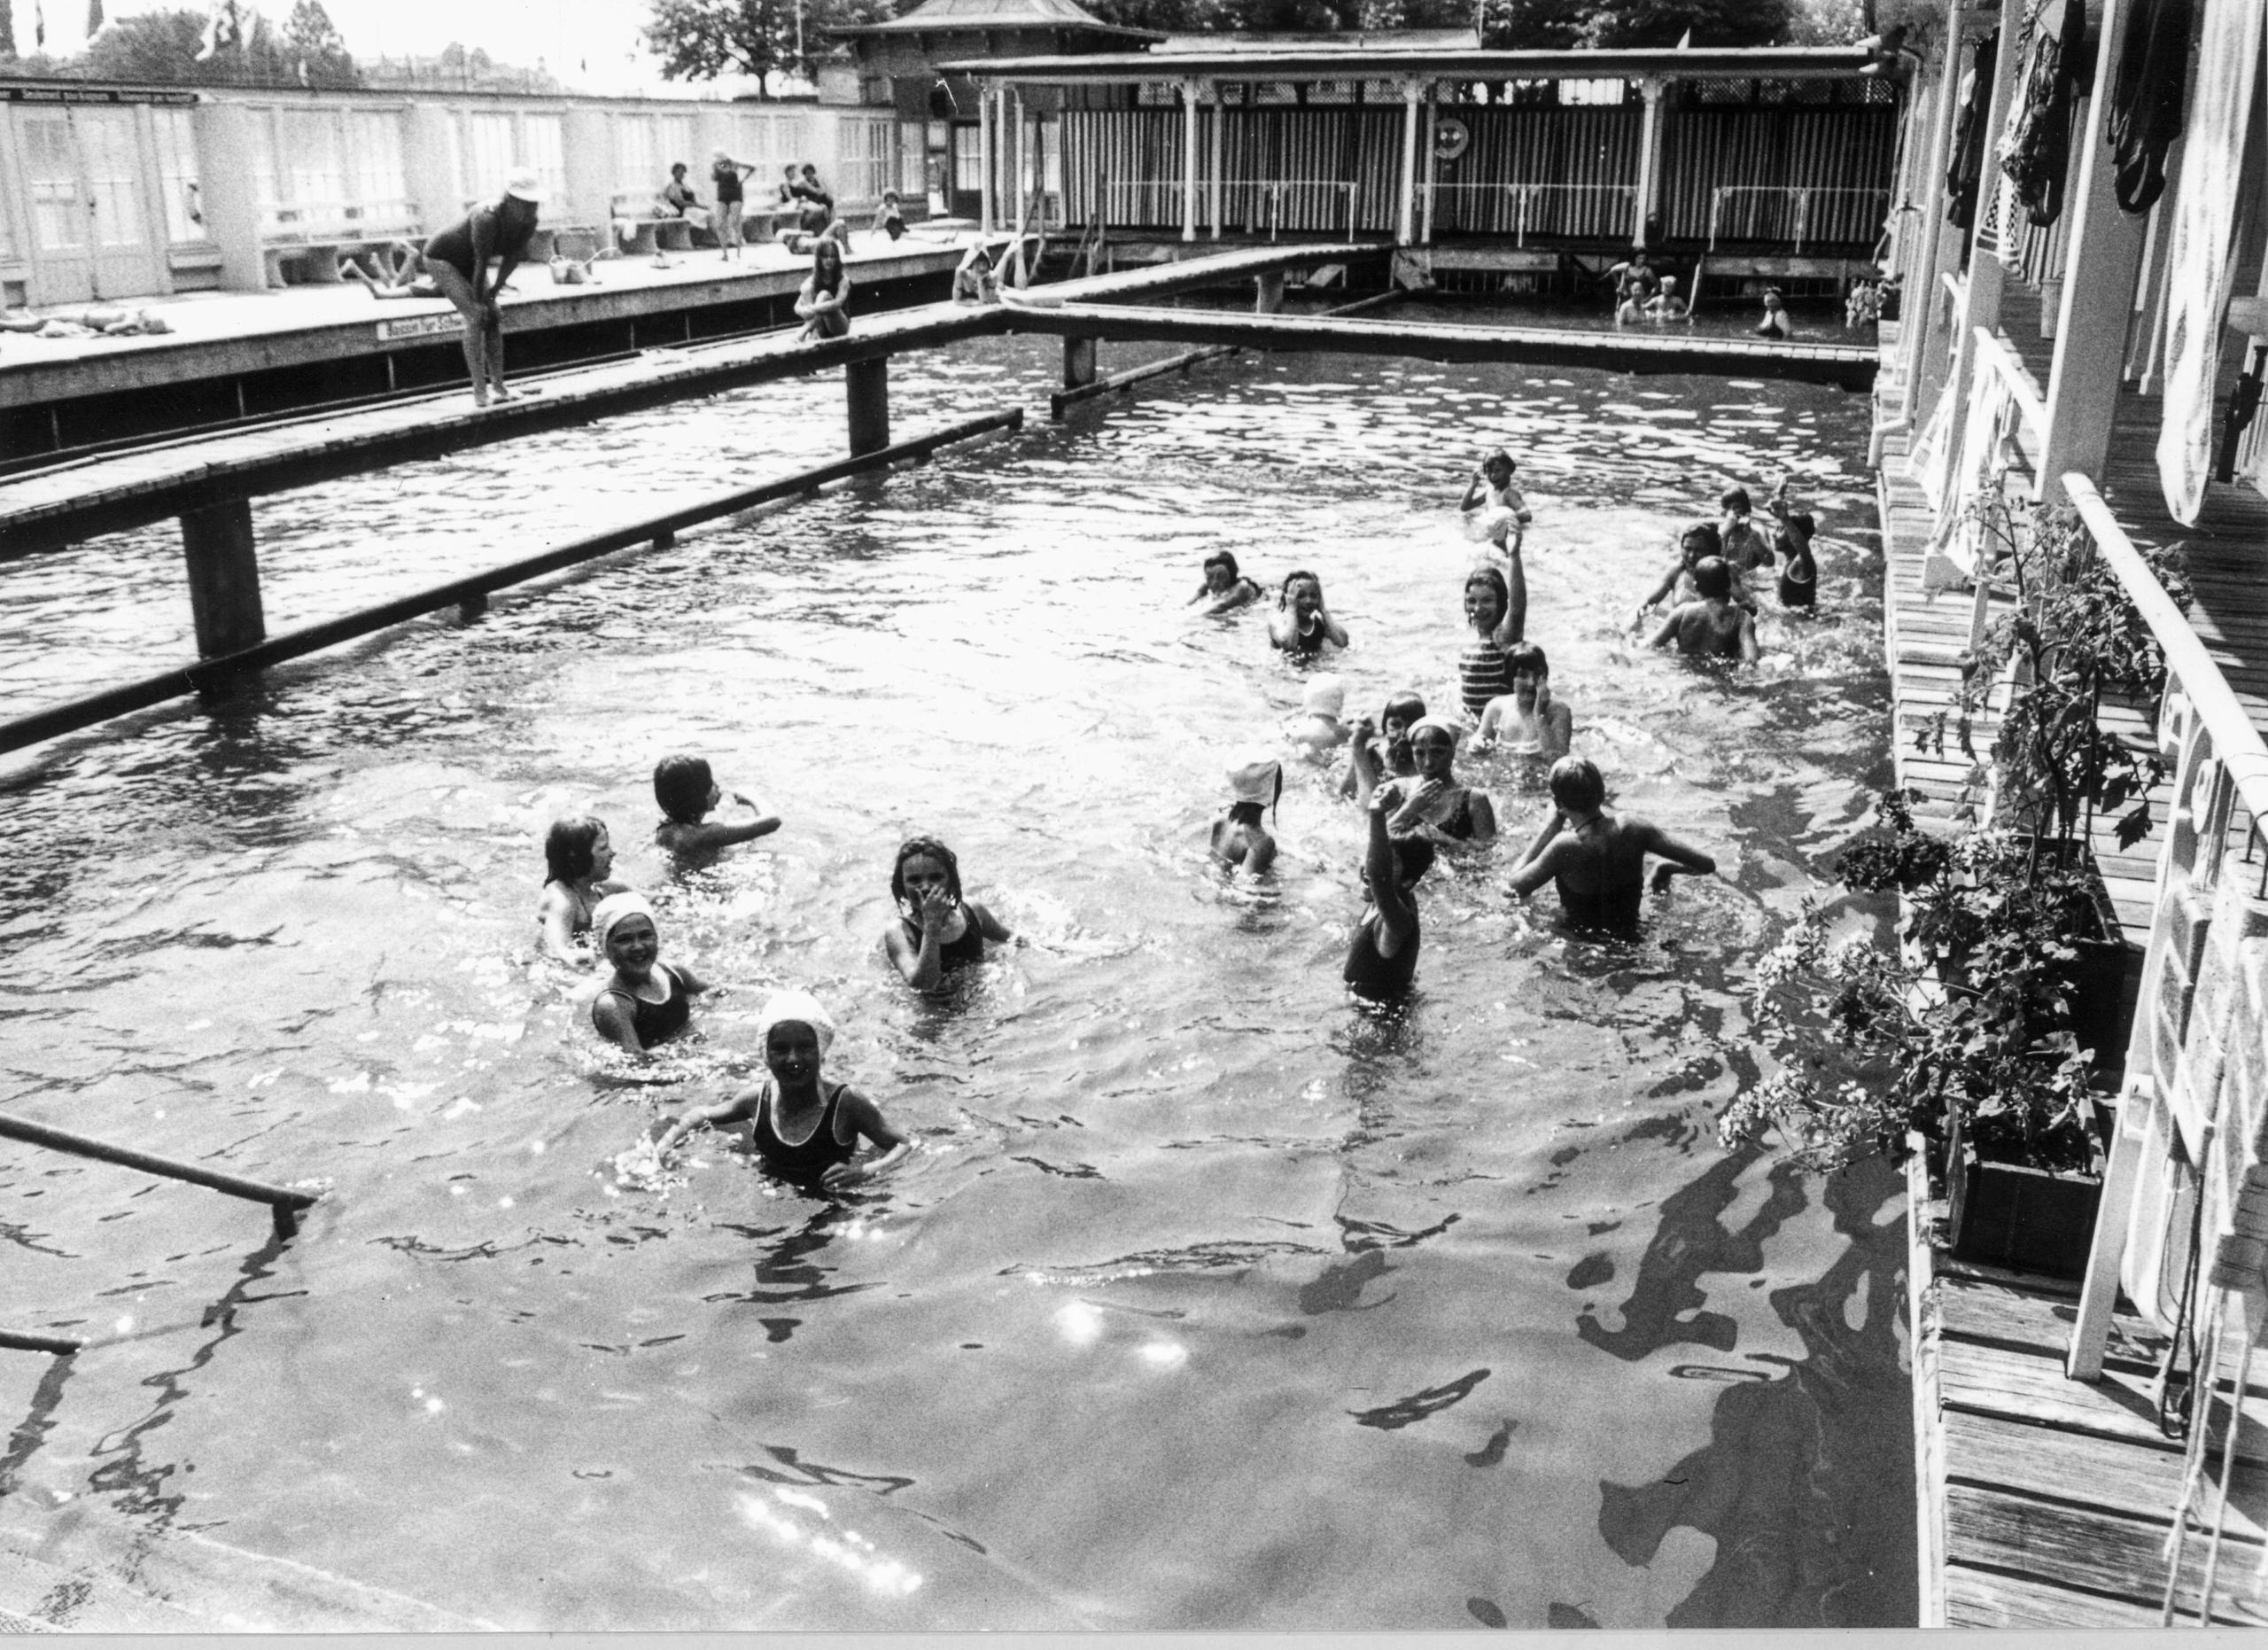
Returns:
(2047, 1502)
(73, 502)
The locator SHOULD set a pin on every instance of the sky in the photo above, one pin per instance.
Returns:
(589, 44)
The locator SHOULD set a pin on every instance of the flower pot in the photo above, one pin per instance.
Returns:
(2019, 1217)
(2100, 978)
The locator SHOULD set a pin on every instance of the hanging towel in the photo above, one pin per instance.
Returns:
(2198, 272)
(1965, 171)
(2144, 114)
(1955, 552)
(2037, 153)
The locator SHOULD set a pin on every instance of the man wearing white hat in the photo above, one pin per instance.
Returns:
(459, 260)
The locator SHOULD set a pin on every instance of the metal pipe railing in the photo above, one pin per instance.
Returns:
(284, 1204)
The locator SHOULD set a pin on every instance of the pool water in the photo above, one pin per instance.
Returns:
(1209, 1300)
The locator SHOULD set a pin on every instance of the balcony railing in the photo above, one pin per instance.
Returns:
(1540, 209)
(1793, 213)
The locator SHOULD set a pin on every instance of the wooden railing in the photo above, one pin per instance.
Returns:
(2183, 1227)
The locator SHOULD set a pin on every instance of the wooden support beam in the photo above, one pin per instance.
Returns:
(223, 562)
(1427, 159)
(1268, 298)
(1213, 160)
(1650, 162)
(867, 385)
(61, 1345)
(1405, 219)
(1078, 362)
(1189, 160)
(282, 1200)
(985, 158)
(2104, 257)
(1924, 338)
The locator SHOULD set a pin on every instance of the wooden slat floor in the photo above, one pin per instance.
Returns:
(2047, 1502)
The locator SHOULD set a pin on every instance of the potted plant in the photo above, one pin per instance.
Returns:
(1958, 1029)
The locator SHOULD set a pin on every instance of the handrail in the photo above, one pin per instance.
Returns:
(2013, 373)
(2236, 744)
(282, 1204)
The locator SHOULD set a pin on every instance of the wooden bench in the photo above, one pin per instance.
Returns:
(636, 229)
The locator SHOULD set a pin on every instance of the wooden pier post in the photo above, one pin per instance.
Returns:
(2105, 256)
(985, 157)
(223, 577)
(1268, 297)
(1078, 362)
(867, 384)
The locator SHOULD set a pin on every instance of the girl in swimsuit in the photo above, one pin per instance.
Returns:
(807, 1130)
(821, 301)
(1301, 624)
(1382, 958)
(1695, 546)
(576, 857)
(646, 1001)
(1530, 722)
(1433, 804)
(1497, 610)
(1225, 587)
(1799, 578)
(937, 931)
(1241, 836)
(1380, 749)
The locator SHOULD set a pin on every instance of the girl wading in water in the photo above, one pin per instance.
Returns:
(937, 932)
(1301, 624)
(459, 260)
(806, 1131)
(645, 1000)
(577, 858)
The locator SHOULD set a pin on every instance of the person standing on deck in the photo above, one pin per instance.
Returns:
(460, 259)
(729, 176)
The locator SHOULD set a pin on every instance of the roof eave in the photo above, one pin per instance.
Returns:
(1720, 63)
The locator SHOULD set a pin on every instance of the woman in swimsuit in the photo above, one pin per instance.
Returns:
(1529, 722)
(1599, 862)
(1799, 578)
(807, 1130)
(1381, 751)
(459, 259)
(646, 1001)
(1301, 624)
(937, 932)
(1433, 804)
(576, 857)
(1497, 610)
(825, 293)
(1225, 587)
(1241, 836)
(1382, 959)
(729, 177)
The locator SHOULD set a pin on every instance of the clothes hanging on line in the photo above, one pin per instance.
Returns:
(2145, 113)
(1965, 170)
(2057, 72)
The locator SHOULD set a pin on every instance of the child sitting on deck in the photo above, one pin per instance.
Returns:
(806, 1131)
(687, 792)
(1774, 323)
(890, 219)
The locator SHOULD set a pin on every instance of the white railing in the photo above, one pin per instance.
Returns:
(337, 220)
(1525, 209)
(1775, 211)
(1256, 205)
(2183, 1227)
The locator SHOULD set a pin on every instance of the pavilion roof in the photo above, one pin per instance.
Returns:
(1304, 61)
(941, 17)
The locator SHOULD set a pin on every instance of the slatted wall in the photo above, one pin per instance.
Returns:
(1847, 148)
(1586, 157)
(1285, 169)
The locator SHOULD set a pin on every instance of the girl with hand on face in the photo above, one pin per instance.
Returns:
(1433, 804)
(1379, 750)
(577, 858)
(1528, 720)
(807, 1130)
(1301, 624)
(937, 931)
(646, 1001)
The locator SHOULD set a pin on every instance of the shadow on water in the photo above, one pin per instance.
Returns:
(1806, 1471)
(791, 1274)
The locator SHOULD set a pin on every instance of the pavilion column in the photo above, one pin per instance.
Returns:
(1650, 162)
(984, 155)
(2099, 270)
(1189, 160)
(1980, 303)
(1933, 151)
(1432, 166)
(1406, 221)
(1220, 115)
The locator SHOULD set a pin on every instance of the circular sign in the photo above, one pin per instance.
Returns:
(1451, 138)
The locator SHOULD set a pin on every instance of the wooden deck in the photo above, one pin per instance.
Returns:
(2045, 1502)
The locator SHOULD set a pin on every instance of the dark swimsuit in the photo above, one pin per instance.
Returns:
(810, 1158)
(453, 245)
(657, 1022)
(951, 953)
(1615, 908)
(728, 181)
(1306, 644)
(1377, 977)
(1796, 592)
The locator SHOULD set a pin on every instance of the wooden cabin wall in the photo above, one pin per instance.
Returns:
(1848, 146)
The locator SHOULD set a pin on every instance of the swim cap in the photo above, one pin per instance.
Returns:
(613, 908)
(795, 1008)
(1255, 780)
(1326, 695)
(1448, 729)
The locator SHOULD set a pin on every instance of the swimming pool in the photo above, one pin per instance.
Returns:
(1210, 1301)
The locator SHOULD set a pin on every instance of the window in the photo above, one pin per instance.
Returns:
(177, 175)
(492, 154)
(679, 144)
(381, 188)
(634, 154)
(543, 145)
(51, 167)
(314, 175)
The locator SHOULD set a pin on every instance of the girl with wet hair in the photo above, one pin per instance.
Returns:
(822, 301)
(1695, 545)
(577, 858)
(1301, 624)
(1497, 608)
(1529, 721)
(937, 931)
(1381, 751)
(1224, 587)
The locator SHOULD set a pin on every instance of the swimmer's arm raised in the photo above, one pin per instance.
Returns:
(1514, 627)
(1363, 762)
(1397, 916)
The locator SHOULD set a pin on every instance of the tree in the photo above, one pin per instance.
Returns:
(320, 51)
(702, 39)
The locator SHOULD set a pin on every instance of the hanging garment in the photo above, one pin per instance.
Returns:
(2037, 154)
(1977, 473)
(2199, 253)
(2145, 113)
(1965, 171)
